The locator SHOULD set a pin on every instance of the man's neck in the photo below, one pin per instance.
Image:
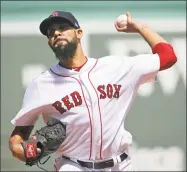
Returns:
(74, 62)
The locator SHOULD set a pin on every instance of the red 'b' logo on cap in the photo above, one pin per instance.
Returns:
(55, 13)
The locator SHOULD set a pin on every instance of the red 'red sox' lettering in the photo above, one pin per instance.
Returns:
(58, 106)
(110, 91)
(67, 103)
(77, 100)
(101, 88)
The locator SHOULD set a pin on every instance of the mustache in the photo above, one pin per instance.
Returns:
(58, 39)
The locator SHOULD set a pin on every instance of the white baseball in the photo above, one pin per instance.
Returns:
(121, 21)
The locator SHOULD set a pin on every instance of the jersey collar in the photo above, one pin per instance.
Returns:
(68, 72)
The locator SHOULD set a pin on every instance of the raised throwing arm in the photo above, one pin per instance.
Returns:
(157, 43)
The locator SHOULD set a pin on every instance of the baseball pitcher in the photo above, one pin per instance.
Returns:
(88, 98)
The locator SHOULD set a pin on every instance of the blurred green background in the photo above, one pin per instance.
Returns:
(157, 118)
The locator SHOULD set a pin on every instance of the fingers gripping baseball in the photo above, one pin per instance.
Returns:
(129, 18)
(127, 24)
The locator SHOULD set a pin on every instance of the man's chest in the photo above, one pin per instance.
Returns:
(75, 97)
(73, 91)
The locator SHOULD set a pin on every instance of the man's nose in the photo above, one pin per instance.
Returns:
(57, 33)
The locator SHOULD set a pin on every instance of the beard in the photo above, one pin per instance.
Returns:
(67, 51)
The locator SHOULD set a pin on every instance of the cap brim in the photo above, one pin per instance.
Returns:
(48, 21)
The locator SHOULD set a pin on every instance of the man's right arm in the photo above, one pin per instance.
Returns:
(158, 44)
(19, 134)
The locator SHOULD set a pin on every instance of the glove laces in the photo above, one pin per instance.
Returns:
(42, 163)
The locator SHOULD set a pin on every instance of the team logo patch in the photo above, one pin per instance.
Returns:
(55, 13)
(30, 150)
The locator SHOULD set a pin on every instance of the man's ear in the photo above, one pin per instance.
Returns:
(79, 33)
(49, 42)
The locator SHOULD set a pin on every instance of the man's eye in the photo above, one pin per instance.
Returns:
(62, 28)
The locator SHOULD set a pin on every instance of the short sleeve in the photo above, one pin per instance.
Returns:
(31, 107)
(145, 67)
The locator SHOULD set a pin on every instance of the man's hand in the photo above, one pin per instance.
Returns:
(150, 36)
(132, 25)
(42, 143)
(17, 151)
(19, 134)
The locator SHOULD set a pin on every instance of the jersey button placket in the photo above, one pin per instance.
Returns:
(94, 114)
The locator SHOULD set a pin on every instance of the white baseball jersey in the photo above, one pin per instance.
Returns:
(93, 102)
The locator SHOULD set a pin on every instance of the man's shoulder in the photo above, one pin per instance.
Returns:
(45, 74)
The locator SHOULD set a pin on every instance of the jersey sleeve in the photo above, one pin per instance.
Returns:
(144, 68)
(31, 107)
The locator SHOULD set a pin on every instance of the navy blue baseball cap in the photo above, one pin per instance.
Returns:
(61, 17)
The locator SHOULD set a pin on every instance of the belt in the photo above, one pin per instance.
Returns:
(99, 164)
